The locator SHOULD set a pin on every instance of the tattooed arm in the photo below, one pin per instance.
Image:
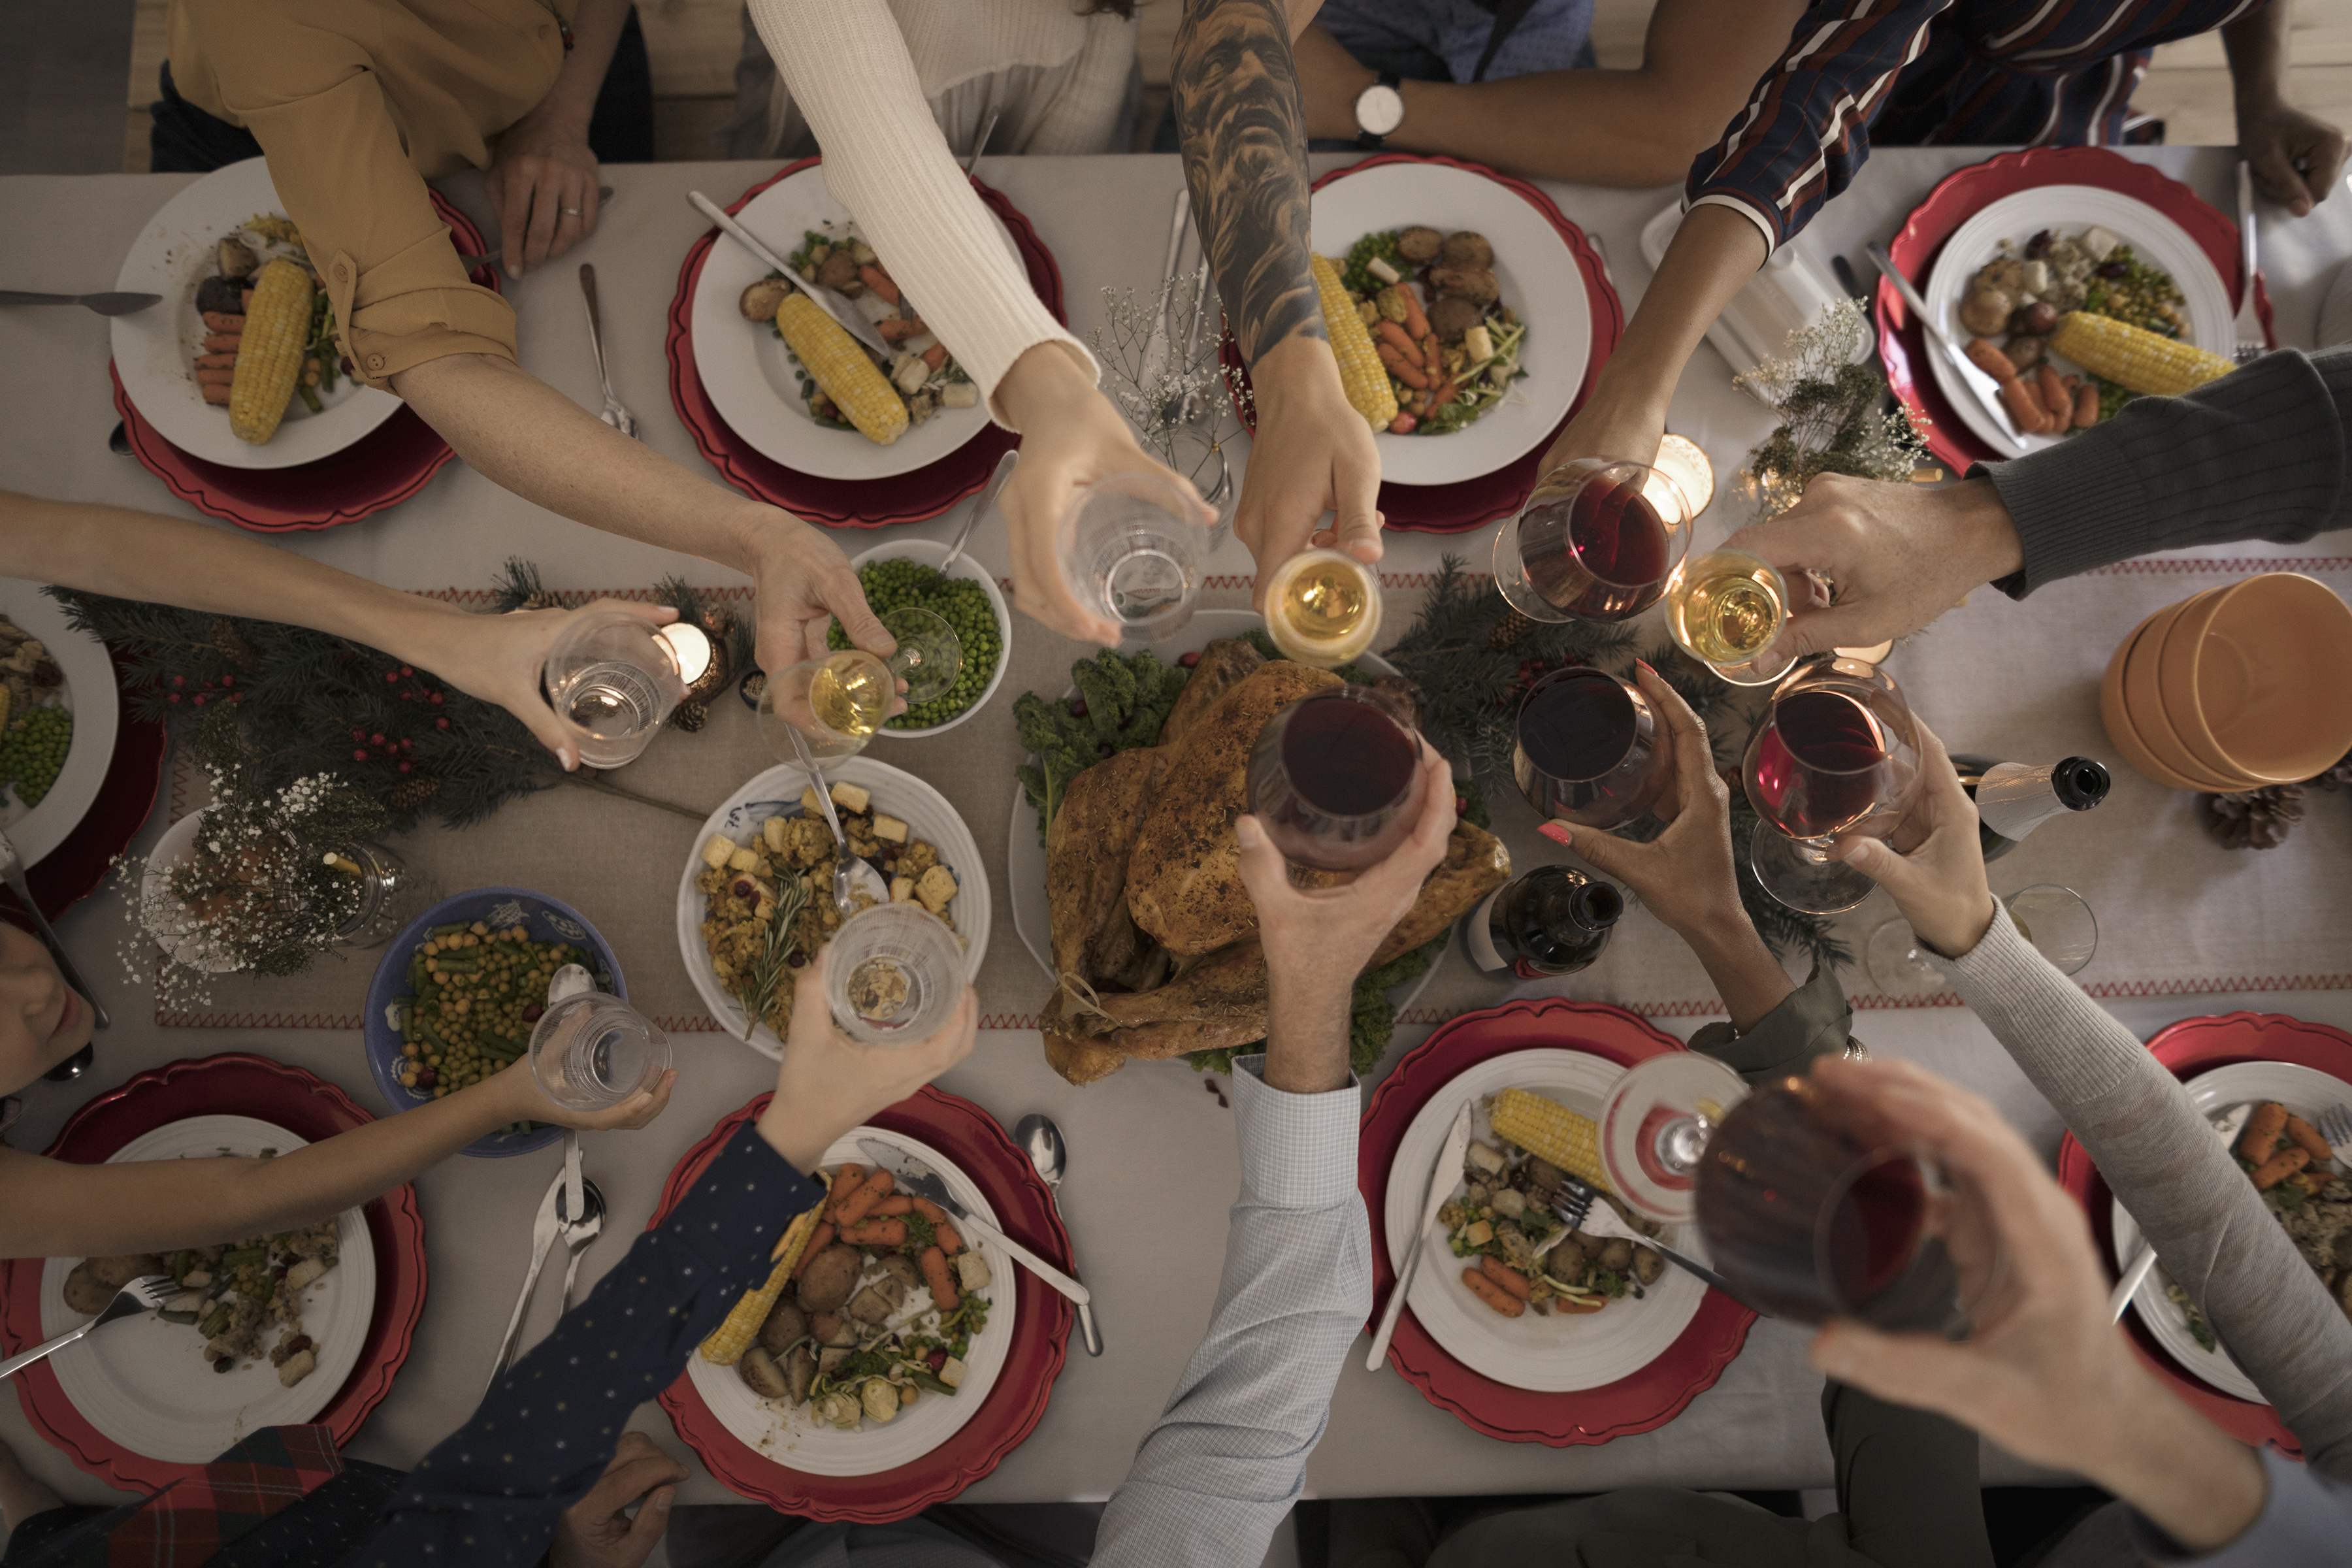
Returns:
(1235, 90)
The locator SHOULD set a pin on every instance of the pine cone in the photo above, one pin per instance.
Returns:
(1509, 631)
(2258, 819)
(2338, 778)
(691, 715)
(234, 646)
(411, 791)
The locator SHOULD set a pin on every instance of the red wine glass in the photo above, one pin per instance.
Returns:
(1596, 542)
(1335, 779)
(1589, 748)
(1836, 756)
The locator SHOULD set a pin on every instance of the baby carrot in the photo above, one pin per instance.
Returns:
(215, 392)
(1399, 338)
(1415, 322)
(879, 281)
(224, 321)
(1494, 1294)
(936, 355)
(2279, 1167)
(2304, 1136)
(2086, 406)
(935, 1274)
(949, 1242)
(859, 1203)
(2263, 1130)
(1403, 368)
(895, 328)
(876, 1233)
(2055, 396)
(1508, 1277)
(895, 1204)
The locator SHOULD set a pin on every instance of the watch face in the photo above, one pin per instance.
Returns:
(1380, 109)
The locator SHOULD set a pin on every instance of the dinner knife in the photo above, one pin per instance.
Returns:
(831, 302)
(2227, 1130)
(923, 1182)
(1986, 390)
(1433, 1198)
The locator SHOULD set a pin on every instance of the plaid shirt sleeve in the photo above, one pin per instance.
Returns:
(1228, 1457)
(491, 1491)
(1805, 131)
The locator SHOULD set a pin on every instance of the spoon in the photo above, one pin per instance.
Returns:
(579, 1234)
(1037, 1134)
(980, 507)
(842, 858)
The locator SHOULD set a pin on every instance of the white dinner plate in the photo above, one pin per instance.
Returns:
(2305, 1092)
(155, 349)
(1025, 849)
(144, 1383)
(2067, 210)
(1557, 1354)
(793, 1438)
(1539, 278)
(90, 697)
(777, 793)
(750, 377)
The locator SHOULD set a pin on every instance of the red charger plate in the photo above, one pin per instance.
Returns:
(1472, 503)
(202, 1086)
(1641, 1401)
(73, 870)
(2189, 1047)
(1025, 1209)
(381, 469)
(842, 503)
(1902, 345)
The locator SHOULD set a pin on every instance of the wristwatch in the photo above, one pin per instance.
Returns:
(1380, 110)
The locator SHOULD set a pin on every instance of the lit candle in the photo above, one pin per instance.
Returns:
(1680, 460)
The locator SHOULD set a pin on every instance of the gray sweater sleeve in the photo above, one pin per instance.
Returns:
(2259, 454)
(2216, 1238)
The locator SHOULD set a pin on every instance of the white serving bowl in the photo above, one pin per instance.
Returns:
(926, 552)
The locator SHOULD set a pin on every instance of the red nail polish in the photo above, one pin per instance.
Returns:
(1555, 832)
(1645, 664)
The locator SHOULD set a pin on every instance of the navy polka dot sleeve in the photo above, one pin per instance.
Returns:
(491, 1492)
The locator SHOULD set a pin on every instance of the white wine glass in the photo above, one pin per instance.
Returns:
(2055, 920)
(828, 709)
(1726, 609)
(1323, 607)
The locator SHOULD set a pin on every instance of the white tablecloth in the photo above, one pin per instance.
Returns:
(1153, 1166)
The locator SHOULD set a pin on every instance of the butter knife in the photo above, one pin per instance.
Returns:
(831, 302)
(1442, 1177)
(923, 1182)
(1987, 392)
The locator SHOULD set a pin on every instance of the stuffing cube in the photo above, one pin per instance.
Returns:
(771, 833)
(716, 850)
(902, 890)
(852, 797)
(809, 802)
(971, 1271)
(744, 860)
(959, 395)
(889, 828)
(936, 888)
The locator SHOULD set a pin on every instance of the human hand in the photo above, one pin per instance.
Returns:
(1612, 424)
(594, 1533)
(828, 1083)
(543, 188)
(1685, 876)
(1330, 82)
(1071, 437)
(2296, 158)
(1936, 869)
(800, 582)
(1311, 454)
(519, 1097)
(1900, 555)
(501, 659)
(2044, 1372)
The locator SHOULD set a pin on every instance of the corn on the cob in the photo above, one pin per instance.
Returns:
(2132, 357)
(270, 354)
(730, 1338)
(1550, 1131)
(1365, 379)
(842, 369)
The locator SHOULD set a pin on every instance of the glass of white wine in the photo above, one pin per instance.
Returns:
(1323, 607)
(1726, 609)
(829, 707)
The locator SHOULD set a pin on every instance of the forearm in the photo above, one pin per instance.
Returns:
(1745, 973)
(2201, 1487)
(595, 31)
(1306, 1032)
(1711, 258)
(2256, 47)
(1623, 128)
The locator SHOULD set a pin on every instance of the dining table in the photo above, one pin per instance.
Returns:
(2187, 927)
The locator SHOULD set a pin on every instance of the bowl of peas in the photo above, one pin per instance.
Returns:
(907, 573)
(457, 994)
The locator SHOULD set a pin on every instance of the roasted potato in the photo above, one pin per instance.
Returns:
(785, 1323)
(902, 1268)
(762, 1375)
(877, 1300)
(1616, 1254)
(760, 300)
(1467, 249)
(833, 1330)
(830, 1277)
(1420, 244)
(839, 271)
(1647, 1265)
(1567, 1260)
(1475, 284)
(2023, 352)
(2037, 319)
(1451, 317)
(237, 257)
(94, 1280)
(1986, 311)
(800, 1370)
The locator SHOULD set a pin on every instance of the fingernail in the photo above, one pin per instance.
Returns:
(1645, 664)
(1250, 834)
(1555, 831)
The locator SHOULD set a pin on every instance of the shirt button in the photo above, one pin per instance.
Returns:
(375, 361)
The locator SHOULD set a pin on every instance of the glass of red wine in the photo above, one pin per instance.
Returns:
(1590, 749)
(1836, 756)
(1335, 779)
(1596, 542)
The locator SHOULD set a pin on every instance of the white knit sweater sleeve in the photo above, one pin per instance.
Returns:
(849, 72)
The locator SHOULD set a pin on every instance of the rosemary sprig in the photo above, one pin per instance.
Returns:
(792, 898)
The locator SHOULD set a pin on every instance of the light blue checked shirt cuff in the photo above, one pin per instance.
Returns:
(1228, 1457)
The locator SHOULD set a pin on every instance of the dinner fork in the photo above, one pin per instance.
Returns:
(617, 413)
(1578, 1206)
(2249, 327)
(2335, 1126)
(12, 869)
(143, 1294)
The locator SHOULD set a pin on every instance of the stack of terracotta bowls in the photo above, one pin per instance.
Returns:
(2235, 689)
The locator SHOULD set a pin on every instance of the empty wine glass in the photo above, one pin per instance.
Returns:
(894, 975)
(591, 1051)
(1597, 542)
(2057, 920)
(1130, 548)
(836, 704)
(1726, 609)
(1836, 756)
(1589, 748)
(1335, 779)
(613, 678)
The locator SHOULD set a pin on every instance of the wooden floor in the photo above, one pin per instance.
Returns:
(694, 44)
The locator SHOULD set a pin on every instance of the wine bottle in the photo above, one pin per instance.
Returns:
(2014, 798)
(1552, 920)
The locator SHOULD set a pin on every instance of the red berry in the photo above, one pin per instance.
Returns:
(358, 756)
(938, 1359)
(375, 740)
(1461, 805)
(404, 767)
(406, 744)
(405, 672)
(440, 724)
(171, 696)
(179, 681)
(359, 734)
(236, 696)
(1191, 660)
(1077, 707)
(408, 696)
(435, 700)
(200, 699)
(391, 677)
(229, 681)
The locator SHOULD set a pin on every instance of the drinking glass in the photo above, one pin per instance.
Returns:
(1726, 609)
(391, 895)
(2057, 920)
(591, 1051)
(1590, 749)
(894, 975)
(1596, 542)
(1130, 548)
(1322, 608)
(1335, 779)
(612, 679)
(1836, 755)
(835, 704)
